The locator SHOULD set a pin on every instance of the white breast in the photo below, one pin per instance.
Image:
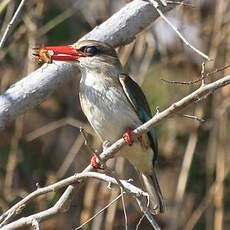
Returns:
(106, 107)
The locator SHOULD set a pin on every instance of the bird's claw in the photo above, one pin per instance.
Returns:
(127, 137)
(95, 163)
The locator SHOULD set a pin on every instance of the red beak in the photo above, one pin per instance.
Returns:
(58, 53)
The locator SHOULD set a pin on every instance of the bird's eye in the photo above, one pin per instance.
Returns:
(90, 50)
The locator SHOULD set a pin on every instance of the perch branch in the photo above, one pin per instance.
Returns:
(60, 206)
(120, 29)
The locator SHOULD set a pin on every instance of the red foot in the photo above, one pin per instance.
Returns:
(127, 137)
(94, 162)
(140, 139)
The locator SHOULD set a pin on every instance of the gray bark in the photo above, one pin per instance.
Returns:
(119, 29)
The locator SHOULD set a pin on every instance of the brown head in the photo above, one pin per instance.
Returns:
(98, 55)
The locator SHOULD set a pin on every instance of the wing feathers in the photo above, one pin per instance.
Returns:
(140, 105)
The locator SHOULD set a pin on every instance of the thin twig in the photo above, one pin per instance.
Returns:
(100, 161)
(111, 214)
(9, 215)
(180, 82)
(124, 209)
(54, 22)
(87, 141)
(70, 156)
(218, 70)
(12, 21)
(139, 222)
(156, 5)
(93, 151)
(99, 212)
(147, 213)
(201, 120)
(181, 3)
(203, 75)
(197, 80)
(58, 124)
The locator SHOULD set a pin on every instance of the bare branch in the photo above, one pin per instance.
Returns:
(120, 29)
(60, 206)
(58, 124)
(147, 213)
(180, 3)
(123, 205)
(102, 210)
(12, 21)
(192, 117)
(139, 222)
(70, 156)
(197, 80)
(156, 6)
(86, 142)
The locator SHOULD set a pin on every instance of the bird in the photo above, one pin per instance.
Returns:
(114, 104)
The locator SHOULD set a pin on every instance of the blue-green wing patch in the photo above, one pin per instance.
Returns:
(138, 101)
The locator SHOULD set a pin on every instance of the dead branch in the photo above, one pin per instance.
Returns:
(197, 80)
(120, 29)
(12, 21)
(62, 203)
(156, 6)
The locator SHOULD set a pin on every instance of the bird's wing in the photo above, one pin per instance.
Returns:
(138, 101)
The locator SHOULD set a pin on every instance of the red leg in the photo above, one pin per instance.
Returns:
(140, 138)
(127, 137)
(94, 162)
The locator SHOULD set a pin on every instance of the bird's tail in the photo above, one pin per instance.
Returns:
(155, 196)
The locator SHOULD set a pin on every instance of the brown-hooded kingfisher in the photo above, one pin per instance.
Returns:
(114, 104)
